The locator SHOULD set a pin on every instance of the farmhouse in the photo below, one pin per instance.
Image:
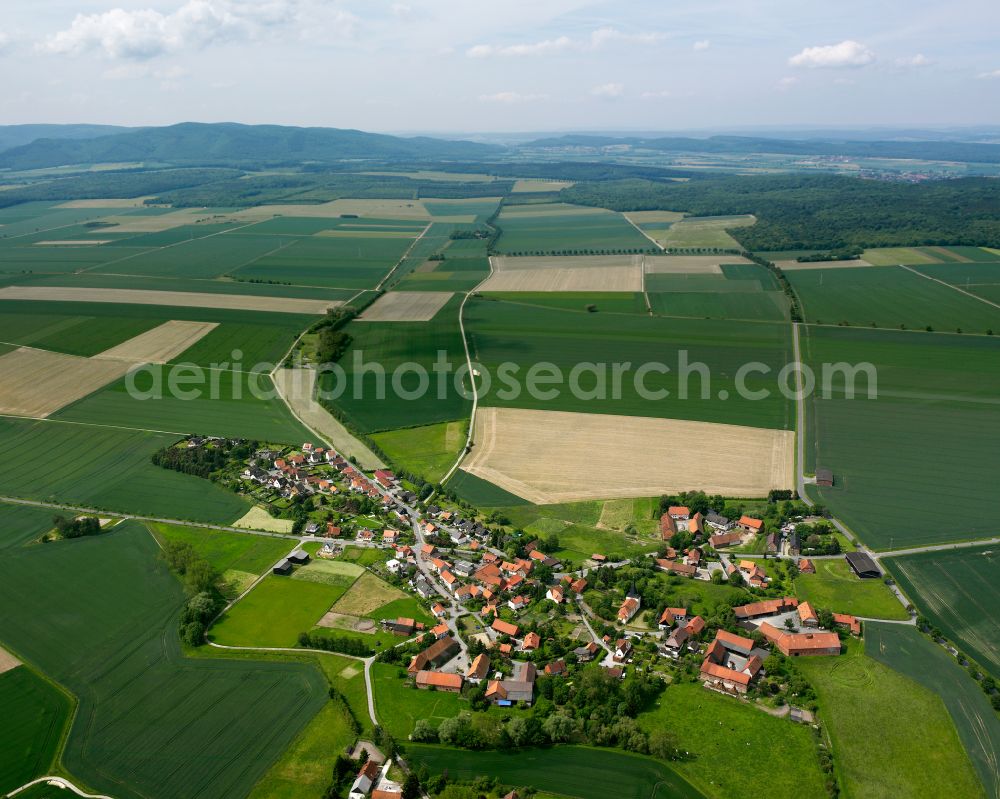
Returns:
(623, 648)
(557, 668)
(676, 567)
(718, 522)
(807, 615)
(439, 681)
(668, 527)
(863, 565)
(750, 525)
(801, 644)
(848, 621)
(629, 608)
(478, 669)
(519, 689)
(725, 539)
(731, 663)
(436, 655)
(504, 628)
(806, 566)
(365, 780)
(767, 607)
(679, 512)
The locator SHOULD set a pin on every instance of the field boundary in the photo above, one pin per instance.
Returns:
(950, 286)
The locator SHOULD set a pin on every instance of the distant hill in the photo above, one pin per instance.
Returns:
(19, 135)
(230, 144)
(968, 152)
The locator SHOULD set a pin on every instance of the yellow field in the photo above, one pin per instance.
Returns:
(890, 256)
(7, 661)
(580, 456)
(646, 217)
(567, 273)
(158, 223)
(406, 306)
(368, 594)
(181, 299)
(259, 519)
(530, 185)
(160, 344)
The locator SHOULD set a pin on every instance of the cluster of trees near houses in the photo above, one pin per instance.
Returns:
(202, 461)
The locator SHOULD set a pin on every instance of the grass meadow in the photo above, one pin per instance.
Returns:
(150, 722)
(891, 736)
(703, 231)
(578, 772)
(720, 730)
(398, 706)
(835, 587)
(428, 451)
(929, 433)
(914, 655)
(959, 591)
(36, 714)
(107, 468)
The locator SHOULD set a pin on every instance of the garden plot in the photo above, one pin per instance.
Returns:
(578, 456)
(406, 306)
(566, 273)
(180, 299)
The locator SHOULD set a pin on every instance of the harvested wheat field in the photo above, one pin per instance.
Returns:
(406, 306)
(160, 344)
(157, 223)
(259, 519)
(567, 273)
(38, 383)
(800, 265)
(368, 594)
(690, 264)
(548, 457)
(7, 661)
(180, 299)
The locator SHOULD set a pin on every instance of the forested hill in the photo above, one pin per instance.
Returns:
(19, 135)
(819, 211)
(967, 152)
(230, 144)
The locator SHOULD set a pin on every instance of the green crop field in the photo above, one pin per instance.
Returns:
(428, 451)
(149, 722)
(219, 403)
(581, 301)
(704, 231)
(502, 332)
(107, 468)
(888, 297)
(914, 655)
(387, 346)
(578, 772)
(21, 524)
(481, 493)
(936, 400)
(959, 591)
(275, 612)
(717, 729)
(227, 552)
(890, 256)
(766, 306)
(35, 715)
(891, 737)
(835, 587)
(553, 227)
(200, 258)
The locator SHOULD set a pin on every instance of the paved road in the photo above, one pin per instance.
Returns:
(62, 783)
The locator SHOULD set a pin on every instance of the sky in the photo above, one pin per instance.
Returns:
(507, 65)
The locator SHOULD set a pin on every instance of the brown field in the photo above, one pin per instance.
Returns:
(368, 594)
(160, 344)
(259, 519)
(406, 306)
(690, 264)
(118, 202)
(639, 457)
(646, 217)
(298, 388)
(795, 266)
(38, 383)
(7, 661)
(568, 273)
(158, 223)
(182, 299)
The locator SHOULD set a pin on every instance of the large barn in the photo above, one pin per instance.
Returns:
(863, 565)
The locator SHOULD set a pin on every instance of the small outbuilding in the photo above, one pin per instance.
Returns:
(824, 478)
(299, 557)
(863, 565)
(283, 566)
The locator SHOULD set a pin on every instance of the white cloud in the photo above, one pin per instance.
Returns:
(595, 41)
(146, 33)
(918, 60)
(704, 44)
(846, 54)
(608, 90)
(510, 98)
(994, 75)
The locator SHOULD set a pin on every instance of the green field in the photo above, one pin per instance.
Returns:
(890, 256)
(936, 398)
(481, 493)
(907, 651)
(35, 715)
(150, 722)
(704, 231)
(218, 403)
(567, 339)
(888, 297)
(331, 572)
(227, 552)
(578, 772)
(428, 451)
(718, 729)
(398, 706)
(107, 468)
(891, 737)
(765, 306)
(21, 524)
(835, 587)
(554, 227)
(581, 301)
(275, 612)
(389, 346)
(959, 591)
